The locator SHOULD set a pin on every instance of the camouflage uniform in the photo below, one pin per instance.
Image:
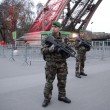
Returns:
(55, 65)
(81, 56)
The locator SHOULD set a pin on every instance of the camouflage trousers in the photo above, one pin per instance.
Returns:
(80, 63)
(53, 69)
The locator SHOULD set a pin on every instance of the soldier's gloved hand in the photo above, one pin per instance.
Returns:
(57, 49)
(51, 48)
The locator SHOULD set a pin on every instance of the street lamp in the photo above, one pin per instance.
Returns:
(91, 30)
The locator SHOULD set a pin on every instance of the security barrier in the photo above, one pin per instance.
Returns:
(32, 53)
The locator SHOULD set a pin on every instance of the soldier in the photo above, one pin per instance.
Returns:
(81, 55)
(55, 66)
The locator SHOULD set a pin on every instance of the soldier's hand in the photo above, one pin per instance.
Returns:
(51, 48)
(57, 49)
(82, 48)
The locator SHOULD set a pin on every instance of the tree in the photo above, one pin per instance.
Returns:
(18, 16)
(39, 7)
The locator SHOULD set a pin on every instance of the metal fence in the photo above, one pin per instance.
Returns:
(25, 53)
(31, 53)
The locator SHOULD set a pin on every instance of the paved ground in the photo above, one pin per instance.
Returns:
(21, 86)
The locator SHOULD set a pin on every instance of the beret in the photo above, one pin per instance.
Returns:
(56, 23)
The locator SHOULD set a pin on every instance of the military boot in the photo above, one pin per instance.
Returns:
(78, 75)
(45, 102)
(64, 99)
(83, 74)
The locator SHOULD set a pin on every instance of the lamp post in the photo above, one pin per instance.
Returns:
(91, 30)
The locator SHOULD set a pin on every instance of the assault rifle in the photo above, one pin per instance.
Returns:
(86, 44)
(61, 46)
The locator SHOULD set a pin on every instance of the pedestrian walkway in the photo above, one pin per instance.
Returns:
(21, 86)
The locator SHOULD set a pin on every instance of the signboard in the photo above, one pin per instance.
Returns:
(14, 35)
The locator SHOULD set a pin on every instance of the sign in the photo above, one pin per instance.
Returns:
(14, 35)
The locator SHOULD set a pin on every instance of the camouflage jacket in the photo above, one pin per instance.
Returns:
(52, 56)
(81, 49)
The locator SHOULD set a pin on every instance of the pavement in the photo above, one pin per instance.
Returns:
(21, 86)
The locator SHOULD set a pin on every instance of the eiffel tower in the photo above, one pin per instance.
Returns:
(73, 14)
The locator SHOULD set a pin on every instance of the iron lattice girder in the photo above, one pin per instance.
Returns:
(51, 11)
(80, 14)
(74, 14)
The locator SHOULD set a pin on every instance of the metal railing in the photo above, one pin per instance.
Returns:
(31, 53)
